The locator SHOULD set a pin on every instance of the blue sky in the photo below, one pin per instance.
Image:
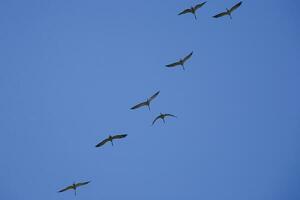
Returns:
(70, 71)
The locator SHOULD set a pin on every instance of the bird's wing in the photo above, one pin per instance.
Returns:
(199, 5)
(170, 115)
(235, 6)
(102, 142)
(139, 105)
(83, 183)
(156, 119)
(220, 15)
(153, 96)
(173, 64)
(119, 136)
(185, 11)
(67, 188)
(187, 57)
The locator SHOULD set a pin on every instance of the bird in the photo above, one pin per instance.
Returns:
(193, 9)
(74, 186)
(181, 62)
(229, 11)
(162, 116)
(146, 103)
(110, 139)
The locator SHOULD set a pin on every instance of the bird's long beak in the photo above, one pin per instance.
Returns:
(183, 66)
(112, 144)
(195, 16)
(75, 191)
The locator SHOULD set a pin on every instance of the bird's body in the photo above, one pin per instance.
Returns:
(181, 62)
(110, 139)
(192, 9)
(162, 116)
(229, 11)
(74, 186)
(146, 103)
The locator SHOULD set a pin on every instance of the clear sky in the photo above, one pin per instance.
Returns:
(71, 70)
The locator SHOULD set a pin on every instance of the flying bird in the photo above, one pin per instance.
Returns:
(162, 116)
(145, 103)
(110, 139)
(181, 62)
(193, 9)
(74, 186)
(229, 11)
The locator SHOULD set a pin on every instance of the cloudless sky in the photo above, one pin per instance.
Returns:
(71, 70)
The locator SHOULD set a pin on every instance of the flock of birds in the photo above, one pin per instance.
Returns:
(147, 103)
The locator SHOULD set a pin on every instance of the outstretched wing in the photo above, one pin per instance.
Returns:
(156, 119)
(200, 5)
(173, 64)
(170, 115)
(139, 105)
(119, 136)
(153, 96)
(187, 57)
(67, 188)
(235, 6)
(83, 183)
(220, 15)
(102, 142)
(185, 11)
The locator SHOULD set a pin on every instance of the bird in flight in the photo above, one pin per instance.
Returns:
(181, 62)
(110, 139)
(193, 9)
(229, 11)
(145, 103)
(74, 186)
(162, 116)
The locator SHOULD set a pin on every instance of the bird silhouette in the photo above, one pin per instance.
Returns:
(110, 139)
(74, 186)
(181, 62)
(162, 116)
(229, 11)
(193, 9)
(146, 103)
